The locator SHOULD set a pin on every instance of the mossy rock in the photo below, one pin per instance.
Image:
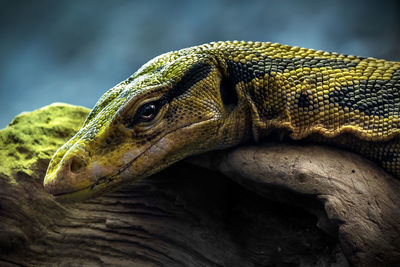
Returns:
(33, 137)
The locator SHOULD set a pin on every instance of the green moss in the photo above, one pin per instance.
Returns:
(33, 137)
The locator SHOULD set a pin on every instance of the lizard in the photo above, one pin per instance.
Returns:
(222, 94)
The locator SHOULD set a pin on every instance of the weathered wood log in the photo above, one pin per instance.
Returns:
(359, 202)
(284, 206)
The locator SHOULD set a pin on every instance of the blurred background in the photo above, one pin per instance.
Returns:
(73, 51)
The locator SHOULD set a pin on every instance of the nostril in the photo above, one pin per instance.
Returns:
(77, 164)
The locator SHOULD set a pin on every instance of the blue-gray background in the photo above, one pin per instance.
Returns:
(73, 51)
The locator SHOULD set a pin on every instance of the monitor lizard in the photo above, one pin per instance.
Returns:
(222, 94)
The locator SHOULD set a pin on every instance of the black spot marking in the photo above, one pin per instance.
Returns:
(304, 100)
(388, 156)
(228, 92)
(372, 97)
(196, 73)
(245, 72)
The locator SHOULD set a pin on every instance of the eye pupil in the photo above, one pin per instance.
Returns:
(147, 112)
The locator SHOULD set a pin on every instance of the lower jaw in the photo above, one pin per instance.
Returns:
(76, 196)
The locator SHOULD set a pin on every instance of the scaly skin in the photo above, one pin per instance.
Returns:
(222, 94)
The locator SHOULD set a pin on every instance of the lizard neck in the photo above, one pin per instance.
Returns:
(263, 90)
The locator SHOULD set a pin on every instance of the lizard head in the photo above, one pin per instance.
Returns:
(178, 104)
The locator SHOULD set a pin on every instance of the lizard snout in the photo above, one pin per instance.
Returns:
(70, 175)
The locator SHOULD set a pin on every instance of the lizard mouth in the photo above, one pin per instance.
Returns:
(69, 193)
(85, 192)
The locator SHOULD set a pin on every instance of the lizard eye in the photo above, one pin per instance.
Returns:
(147, 112)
